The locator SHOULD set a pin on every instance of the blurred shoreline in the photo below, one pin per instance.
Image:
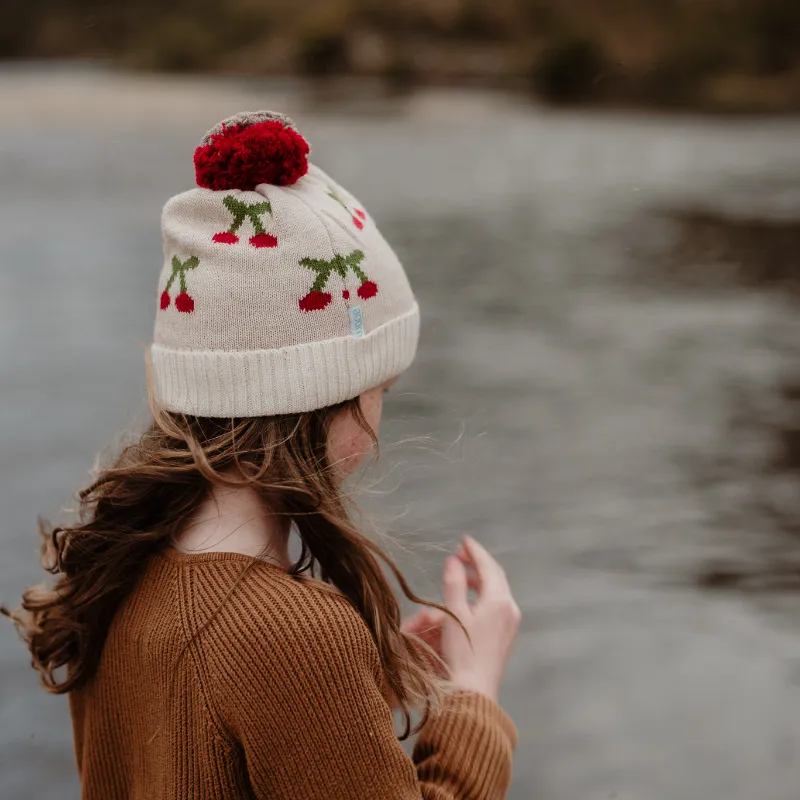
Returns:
(75, 92)
(720, 56)
(79, 92)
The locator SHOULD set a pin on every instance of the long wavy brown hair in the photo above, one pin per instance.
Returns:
(141, 501)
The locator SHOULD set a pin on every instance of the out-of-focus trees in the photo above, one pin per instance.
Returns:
(728, 54)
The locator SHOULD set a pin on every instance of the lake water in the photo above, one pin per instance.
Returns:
(607, 405)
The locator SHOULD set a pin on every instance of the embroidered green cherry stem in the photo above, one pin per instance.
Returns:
(179, 269)
(317, 299)
(250, 211)
(242, 211)
(339, 264)
(357, 218)
(183, 301)
(333, 193)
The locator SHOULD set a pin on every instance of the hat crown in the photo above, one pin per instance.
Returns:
(278, 294)
(244, 119)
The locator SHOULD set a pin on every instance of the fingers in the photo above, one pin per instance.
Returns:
(473, 581)
(455, 587)
(435, 617)
(431, 634)
(416, 623)
(423, 621)
(489, 576)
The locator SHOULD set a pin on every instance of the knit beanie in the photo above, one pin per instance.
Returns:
(278, 294)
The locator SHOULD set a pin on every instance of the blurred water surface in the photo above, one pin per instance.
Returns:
(586, 401)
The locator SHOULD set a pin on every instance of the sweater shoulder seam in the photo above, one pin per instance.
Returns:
(188, 623)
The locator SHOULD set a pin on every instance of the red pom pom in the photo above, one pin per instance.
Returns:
(242, 156)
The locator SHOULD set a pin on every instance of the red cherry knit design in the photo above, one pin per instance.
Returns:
(358, 216)
(184, 301)
(317, 299)
(251, 211)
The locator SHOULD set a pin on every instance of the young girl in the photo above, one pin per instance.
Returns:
(201, 661)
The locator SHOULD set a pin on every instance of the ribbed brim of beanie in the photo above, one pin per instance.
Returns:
(278, 293)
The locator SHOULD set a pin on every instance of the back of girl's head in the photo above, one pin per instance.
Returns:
(279, 305)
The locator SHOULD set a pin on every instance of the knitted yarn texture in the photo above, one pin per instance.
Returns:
(278, 294)
(271, 691)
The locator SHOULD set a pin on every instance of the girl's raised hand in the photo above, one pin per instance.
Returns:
(492, 621)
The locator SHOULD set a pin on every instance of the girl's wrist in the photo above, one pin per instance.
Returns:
(471, 682)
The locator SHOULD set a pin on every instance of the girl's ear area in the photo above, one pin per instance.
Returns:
(349, 437)
(371, 403)
(353, 433)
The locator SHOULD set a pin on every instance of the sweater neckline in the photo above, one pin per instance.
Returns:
(171, 553)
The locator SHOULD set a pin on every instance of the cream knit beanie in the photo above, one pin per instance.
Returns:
(278, 294)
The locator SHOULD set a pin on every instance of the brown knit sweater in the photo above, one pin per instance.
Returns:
(279, 696)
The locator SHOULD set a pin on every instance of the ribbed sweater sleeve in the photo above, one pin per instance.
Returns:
(298, 688)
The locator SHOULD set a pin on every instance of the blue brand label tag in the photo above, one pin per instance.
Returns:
(356, 322)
